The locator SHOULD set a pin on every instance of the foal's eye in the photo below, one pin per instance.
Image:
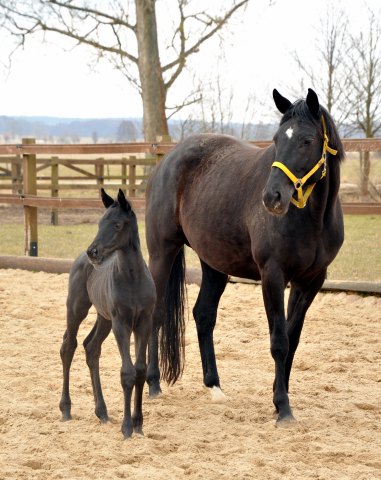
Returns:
(307, 142)
(118, 226)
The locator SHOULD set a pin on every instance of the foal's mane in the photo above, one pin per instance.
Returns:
(300, 110)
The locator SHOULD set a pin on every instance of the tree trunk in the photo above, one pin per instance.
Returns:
(365, 171)
(151, 78)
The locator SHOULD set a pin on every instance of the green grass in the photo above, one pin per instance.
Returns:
(358, 259)
(360, 255)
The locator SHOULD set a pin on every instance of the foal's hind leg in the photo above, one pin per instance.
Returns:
(141, 342)
(93, 344)
(205, 314)
(77, 311)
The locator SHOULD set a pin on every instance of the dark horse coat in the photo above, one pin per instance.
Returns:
(221, 196)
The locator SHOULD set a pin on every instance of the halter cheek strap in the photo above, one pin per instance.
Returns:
(299, 182)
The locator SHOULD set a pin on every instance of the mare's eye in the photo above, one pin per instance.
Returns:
(307, 142)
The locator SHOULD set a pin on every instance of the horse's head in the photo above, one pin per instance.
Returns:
(117, 229)
(299, 145)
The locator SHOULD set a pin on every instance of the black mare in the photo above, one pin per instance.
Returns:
(221, 196)
(113, 276)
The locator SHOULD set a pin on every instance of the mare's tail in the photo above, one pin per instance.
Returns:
(172, 340)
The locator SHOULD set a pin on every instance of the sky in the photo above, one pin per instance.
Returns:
(55, 80)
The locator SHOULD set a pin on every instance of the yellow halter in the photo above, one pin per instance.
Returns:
(299, 182)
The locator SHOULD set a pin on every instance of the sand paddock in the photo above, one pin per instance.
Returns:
(335, 394)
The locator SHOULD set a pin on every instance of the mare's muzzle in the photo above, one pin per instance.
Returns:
(277, 193)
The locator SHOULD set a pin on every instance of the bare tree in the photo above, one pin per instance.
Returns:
(327, 74)
(125, 34)
(127, 132)
(95, 137)
(215, 113)
(364, 74)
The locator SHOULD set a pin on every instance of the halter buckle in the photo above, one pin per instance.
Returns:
(298, 183)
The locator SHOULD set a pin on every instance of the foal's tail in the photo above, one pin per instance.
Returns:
(172, 340)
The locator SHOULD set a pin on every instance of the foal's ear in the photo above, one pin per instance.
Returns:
(106, 199)
(123, 201)
(312, 102)
(281, 103)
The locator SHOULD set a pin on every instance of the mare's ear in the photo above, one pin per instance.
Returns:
(312, 102)
(281, 103)
(106, 199)
(123, 201)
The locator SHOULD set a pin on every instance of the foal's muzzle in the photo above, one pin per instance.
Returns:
(94, 254)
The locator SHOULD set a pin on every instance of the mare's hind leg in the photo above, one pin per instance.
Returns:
(141, 342)
(205, 313)
(93, 344)
(78, 305)
(160, 266)
(301, 296)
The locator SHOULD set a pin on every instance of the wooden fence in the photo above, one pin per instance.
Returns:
(25, 182)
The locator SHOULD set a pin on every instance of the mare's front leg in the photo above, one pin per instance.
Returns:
(141, 341)
(127, 373)
(93, 345)
(273, 285)
(302, 295)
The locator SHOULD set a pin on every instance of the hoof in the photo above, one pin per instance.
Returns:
(66, 417)
(139, 430)
(105, 420)
(275, 414)
(286, 422)
(217, 395)
(155, 396)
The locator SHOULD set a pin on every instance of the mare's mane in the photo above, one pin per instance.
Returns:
(300, 110)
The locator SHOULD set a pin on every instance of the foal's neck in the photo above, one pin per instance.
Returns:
(130, 261)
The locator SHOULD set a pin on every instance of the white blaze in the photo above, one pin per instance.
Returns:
(289, 132)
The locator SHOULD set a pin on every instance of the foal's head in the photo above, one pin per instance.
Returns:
(117, 229)
(299, 147)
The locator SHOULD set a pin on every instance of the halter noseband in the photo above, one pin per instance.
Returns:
(299, 182)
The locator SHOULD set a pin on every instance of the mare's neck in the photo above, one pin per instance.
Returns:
(326, 191)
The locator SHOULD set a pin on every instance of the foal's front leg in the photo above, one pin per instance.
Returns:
(273, 285)
(127, 373)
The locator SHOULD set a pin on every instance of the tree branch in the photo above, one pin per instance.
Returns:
(219, 24)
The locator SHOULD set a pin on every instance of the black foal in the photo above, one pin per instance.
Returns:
(113, 276)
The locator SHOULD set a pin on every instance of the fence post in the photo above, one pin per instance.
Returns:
(132, 178)
(99, 172)
(161, 138)
(30, 213)
(123, 175)
(54, 215)
(16, 173)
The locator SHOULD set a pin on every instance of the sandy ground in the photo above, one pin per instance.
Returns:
(335, 394)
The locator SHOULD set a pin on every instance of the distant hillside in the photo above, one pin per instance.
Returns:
(46, 126)
(71, 130)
